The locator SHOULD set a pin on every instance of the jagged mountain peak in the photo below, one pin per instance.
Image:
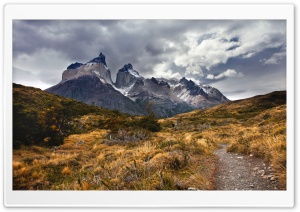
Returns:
(126, 76)
(99, 59)
(160, 82)
(96, 67)
(154, 80)
(187, 82)
(126, 68)
(183, 80)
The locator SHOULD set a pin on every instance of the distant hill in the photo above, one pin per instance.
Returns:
(244, 108)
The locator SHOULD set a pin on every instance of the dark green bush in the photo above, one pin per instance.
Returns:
(149, 123)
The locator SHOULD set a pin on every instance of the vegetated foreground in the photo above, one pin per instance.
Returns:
(97, 149)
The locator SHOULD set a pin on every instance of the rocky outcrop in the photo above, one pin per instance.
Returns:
(99, 59)
(96, 67)
(126, 76)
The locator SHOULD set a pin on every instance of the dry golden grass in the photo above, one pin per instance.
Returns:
(247, 128)
(264, 136)
(17, 165)
(165, 161)
(23, 171)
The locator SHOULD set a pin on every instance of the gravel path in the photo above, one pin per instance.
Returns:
(242, 172)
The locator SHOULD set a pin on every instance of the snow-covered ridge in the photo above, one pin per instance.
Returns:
(134, 73)
(124, 90)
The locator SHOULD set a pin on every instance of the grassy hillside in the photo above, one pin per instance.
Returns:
(100, 149)
(242, 109)
(254, 126)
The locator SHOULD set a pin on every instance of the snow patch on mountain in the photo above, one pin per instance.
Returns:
(134, 73)
(181, 92)
(124, 90)
(96, 72)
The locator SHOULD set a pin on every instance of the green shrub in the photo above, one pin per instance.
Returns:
(149, 123)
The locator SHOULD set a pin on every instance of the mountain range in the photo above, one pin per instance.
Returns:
(132, 93)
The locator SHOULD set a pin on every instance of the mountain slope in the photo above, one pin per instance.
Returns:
(92, 91)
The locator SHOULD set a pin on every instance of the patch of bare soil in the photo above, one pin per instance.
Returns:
(243, 172)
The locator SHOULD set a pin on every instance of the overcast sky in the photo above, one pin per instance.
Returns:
(241, 58)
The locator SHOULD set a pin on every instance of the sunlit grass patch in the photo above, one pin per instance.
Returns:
(66, 171)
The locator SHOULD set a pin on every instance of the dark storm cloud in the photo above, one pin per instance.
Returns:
(75, 39)
(154, 49)
(211, 51)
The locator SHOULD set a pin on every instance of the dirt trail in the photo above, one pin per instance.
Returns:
(242, 172)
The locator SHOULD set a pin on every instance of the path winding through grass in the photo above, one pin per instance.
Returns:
(243, 172)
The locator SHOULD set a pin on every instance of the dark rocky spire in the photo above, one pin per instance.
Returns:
(126, 67)
(99, 59)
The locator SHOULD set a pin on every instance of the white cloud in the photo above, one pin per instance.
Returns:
(207, 54)
(163, 70)
(248, 55)
(210, 76)
(227, 73)
(274, 59)
(194, 70)
(220, 46)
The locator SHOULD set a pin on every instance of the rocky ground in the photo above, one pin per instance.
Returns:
(243, 172)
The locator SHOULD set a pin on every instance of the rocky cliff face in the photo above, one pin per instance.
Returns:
(126, 76)
(131, 93)
(96, 67)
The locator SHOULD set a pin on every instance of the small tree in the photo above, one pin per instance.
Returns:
(150, 123)
(26, 129)
(57, 121)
